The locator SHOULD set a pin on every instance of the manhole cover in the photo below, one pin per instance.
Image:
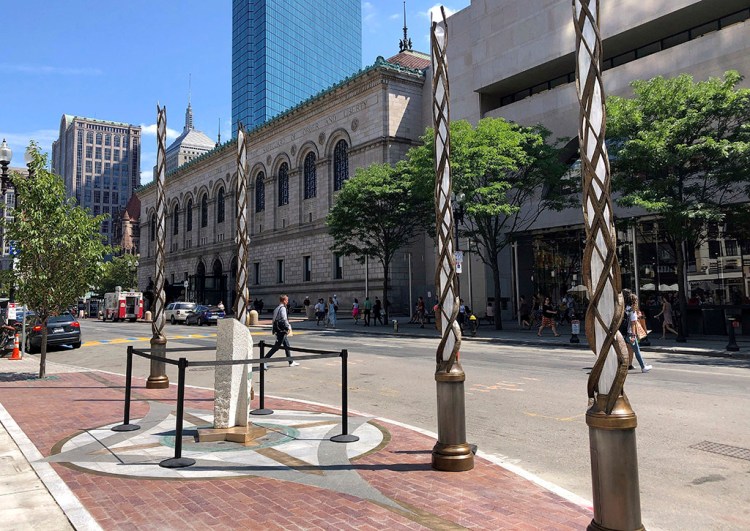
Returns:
(723, 449)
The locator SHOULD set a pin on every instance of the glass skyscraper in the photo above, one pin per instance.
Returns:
(284, 51)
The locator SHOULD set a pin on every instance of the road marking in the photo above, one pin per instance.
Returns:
(561, 419)
(499, 386)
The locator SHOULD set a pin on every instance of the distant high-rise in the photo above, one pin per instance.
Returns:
(99, 162)
(284, 51)
(190, 145)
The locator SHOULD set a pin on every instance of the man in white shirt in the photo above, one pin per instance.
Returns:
(281, 328)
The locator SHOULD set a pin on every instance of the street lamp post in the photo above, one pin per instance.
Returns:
(451, 452)
(458, 218)
(158, 378)
(610, 418)
(6, 154)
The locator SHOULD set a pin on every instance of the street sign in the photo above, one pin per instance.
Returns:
(459, 261)
(185, 284)
(12, 311)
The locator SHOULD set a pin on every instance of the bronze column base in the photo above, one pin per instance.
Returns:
(158, 378)
(614, 466)
(451, 453)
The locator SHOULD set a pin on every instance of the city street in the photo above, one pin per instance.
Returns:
(524, 404)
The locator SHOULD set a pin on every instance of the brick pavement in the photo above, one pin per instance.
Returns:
(489, 497)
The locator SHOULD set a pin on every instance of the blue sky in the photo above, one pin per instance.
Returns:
(115, 60)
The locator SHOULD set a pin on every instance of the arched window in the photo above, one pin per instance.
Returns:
(340, 164)
(153, 227)
(204, 210)
(311, 180)
(176, 220)
(189, 216)
(220, 206)
(260, 192)
(284, 184)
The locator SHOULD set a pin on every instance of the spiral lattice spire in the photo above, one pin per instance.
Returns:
(157, 324)
(601, 271)
(446, 281)
(243, 295)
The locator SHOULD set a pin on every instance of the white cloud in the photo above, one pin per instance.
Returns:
(46, 69)
(150, 130)
(395, 16)
(434, 13)
(370, 17)
(19, 141)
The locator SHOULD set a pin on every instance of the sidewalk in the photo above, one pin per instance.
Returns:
(513, 334)
(294, 478)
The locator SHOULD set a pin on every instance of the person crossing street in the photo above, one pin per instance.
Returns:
(281, 328)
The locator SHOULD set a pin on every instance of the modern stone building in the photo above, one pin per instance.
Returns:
(285, 51)
(297, 162)
(516, 60)
(99, 162)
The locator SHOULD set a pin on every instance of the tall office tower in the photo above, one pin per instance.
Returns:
(99, 162)
(284, 51)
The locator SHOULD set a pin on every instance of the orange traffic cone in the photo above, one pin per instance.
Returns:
(16, 350)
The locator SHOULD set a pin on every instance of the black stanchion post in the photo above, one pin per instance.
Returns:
(262, 385)
(126, 425)
(345, 437)
(178, 461)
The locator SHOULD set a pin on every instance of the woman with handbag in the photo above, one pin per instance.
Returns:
(635, 331)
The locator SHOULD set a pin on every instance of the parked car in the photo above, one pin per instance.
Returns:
(201, 315)
(177, 311)
(61, 330)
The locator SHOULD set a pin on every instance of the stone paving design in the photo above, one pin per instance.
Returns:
(386, 483)
(295, 439)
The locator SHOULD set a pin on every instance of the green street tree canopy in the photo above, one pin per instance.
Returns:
(509, 175)
(60, 248)
(379, 211)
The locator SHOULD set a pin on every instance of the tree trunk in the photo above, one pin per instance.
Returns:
(43, 351)
(498, 294)
(682, 286)
(386, 302)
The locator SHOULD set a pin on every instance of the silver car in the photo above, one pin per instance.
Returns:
(178, 311)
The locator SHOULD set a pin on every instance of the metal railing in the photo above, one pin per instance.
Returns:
(183, 363)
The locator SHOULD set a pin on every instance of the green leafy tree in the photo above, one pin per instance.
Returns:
(60, 247)
(681, 149)
(508, 174)
(120, 271)
(379, 211)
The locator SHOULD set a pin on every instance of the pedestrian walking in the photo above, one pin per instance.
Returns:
(320, 312)
(377, 310)
(420, 312)
(668, 321)
(282, 328)
(331, 312)
(220, 306)
(367, 310)
(462, 315)
(548, 317)
(355, 311)
(633, 311)
(523, 312)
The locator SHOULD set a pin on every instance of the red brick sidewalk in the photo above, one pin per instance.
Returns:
(488, 497)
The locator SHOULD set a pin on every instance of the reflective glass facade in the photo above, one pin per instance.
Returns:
(284, 51)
